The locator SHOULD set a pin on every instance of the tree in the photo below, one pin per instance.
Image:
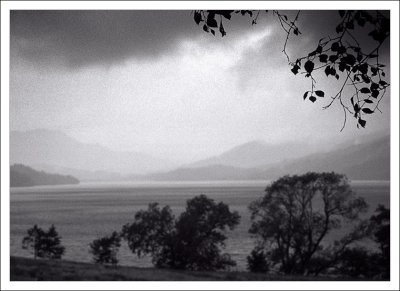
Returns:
(345, 56)
(191, 242)
(297, 212)
(105, 249)
(44, 244)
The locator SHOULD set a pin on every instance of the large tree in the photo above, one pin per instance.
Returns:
(297, 213)
(351, 57)
(191, 242)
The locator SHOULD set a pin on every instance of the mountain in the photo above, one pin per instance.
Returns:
(359, 161)
(255, 154)
(47, 148)
(23, 176)
(369, 160)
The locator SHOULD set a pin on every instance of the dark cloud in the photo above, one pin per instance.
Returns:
(79, 38)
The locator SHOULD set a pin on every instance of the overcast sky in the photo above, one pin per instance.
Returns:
(153, 81)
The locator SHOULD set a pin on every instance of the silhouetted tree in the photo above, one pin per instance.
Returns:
(345, 57)
(44, 244)
(105, 249)
(190, 242)
(295, 215)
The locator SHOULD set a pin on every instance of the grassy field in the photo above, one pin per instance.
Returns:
(23, 269)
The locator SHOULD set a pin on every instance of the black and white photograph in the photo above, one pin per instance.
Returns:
(199, 141)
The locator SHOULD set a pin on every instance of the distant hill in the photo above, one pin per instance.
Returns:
(360, 161)
(255, 154)
(369, 160)
(48, 149)
(23, 176)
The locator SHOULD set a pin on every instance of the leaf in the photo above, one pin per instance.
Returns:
(197, 17)
(365, 90)
(296, 31)
(212, 31)
(374, 86)
(368, 101)
(341, 13)
(339, 28)
(305, 95)
(350, 59)
(221, 29)
(320, 93)
(295, 69)
(367, 111)
(312, 99)
(362, 122)
(323, 58)
(327, 71)
(363, 68)
(375, 93)
(382, 83)
(319, 49)
(335, 46)
(211, 22)
(309, 66)
(205, 28)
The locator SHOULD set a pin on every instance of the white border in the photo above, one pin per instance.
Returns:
(304, 5)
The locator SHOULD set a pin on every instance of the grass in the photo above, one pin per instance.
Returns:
(24, 269)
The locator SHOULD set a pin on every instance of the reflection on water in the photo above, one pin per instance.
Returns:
(84, 212)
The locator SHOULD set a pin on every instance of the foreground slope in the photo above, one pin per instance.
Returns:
(23, 176)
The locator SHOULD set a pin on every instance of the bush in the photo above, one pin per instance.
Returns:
(105, 249)
(359, 262)
(191, 242)
(257, 262)
(44, 244)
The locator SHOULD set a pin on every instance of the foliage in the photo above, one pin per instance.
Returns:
(257, 261)
(105, 249)
(295, 215)
(381, 222)
(191, 242)
(358, 262)
(381, 226)
(44, 244)
(344, 57)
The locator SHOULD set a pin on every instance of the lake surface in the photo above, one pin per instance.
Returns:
(84, 212)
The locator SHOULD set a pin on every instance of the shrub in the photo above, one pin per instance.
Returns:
(257, 262)
(105, 249)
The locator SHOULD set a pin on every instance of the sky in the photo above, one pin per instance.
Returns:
(154, 82)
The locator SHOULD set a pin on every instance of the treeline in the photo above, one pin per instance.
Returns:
(288, 227)
(23, 176)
